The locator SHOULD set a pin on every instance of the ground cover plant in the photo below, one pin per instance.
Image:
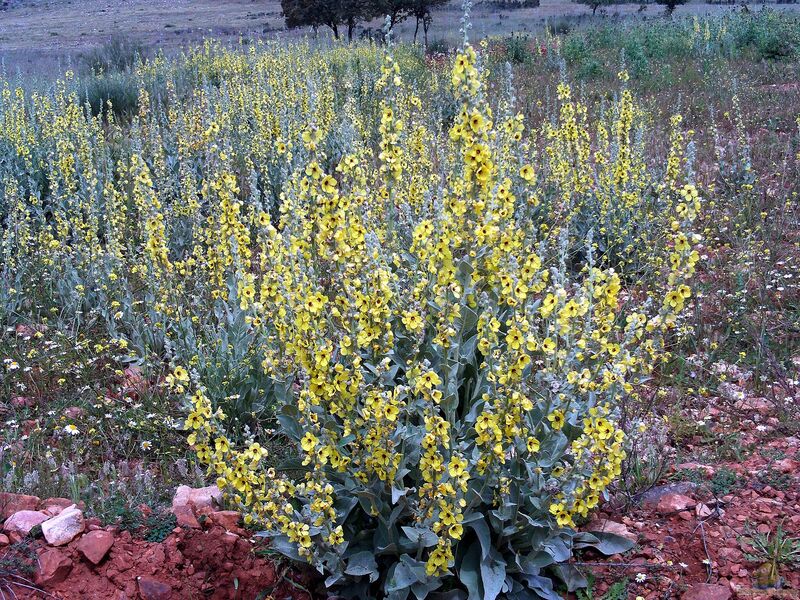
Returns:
(418, 316)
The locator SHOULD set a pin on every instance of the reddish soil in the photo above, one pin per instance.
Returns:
(188, 564)
(691, 543)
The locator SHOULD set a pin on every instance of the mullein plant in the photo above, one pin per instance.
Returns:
(454, 382)
(446, 312)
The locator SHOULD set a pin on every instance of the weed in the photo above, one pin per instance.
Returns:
(774, 478)
(772, 550)
(159, 526)
(617, 591)
(17, 565)
(440, 46)
(575, 50)
(126, 517)
(724, 481)
(728, 446)
(721, 483)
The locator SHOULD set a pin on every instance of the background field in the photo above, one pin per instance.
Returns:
(40, 35)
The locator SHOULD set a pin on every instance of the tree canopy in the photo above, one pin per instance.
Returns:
(336, 14)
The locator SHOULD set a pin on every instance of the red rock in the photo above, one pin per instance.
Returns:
(23, 521)
(707, 591)
(95, 545)
(64, 527)
(609, 526)
(197, 497)
(685, 515)
(761, 406)
(731, 570)
(733, 555)
(54, 567)
(763, 528)
(29, 426)
(184, 517)
(74, 412)
(787, 465)
(23, 402)
(703, 510)
(152, 589)
(672, 503)
(663, 493)
(133, 379)
(23, 330)
(229, 519)
(11, 503)
(54, 506)
(690, 466)
(15, 537)
(4, 541)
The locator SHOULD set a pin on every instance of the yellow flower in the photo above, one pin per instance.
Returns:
(194, 420)
(309, 442)
(556, 419)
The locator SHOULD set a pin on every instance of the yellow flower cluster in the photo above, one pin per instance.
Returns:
(382, 333)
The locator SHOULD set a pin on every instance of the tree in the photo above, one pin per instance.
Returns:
(421, 11)
(329, 13)
(397, 10)
(595, 4)
(400, 10)
(335, 13)
(670, 5)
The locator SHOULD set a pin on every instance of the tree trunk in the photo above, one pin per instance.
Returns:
(335, 28)
(426, 24)
(416, 30)
(351, 26)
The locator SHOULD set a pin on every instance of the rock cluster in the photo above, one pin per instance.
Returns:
(207, 556)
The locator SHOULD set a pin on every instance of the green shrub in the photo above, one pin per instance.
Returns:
(518, 49)
(590, 69)
(118, 92)
(574, 50)
(118, 54)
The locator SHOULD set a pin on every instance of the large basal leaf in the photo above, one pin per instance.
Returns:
(469, 573)
(493, 575)
(289, 418)
(603, 541)
(542, 586)
(362, 563)
(421, 536)
(573, 578)
(481, 529)
(281, 544)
